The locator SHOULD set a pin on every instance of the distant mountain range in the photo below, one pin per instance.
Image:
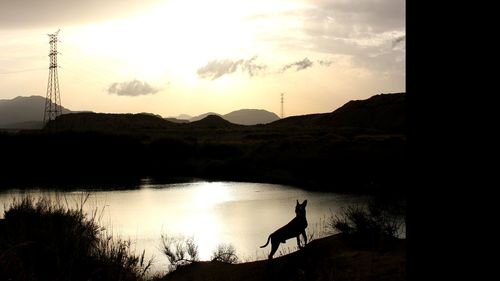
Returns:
(23, 112)
(27, 113)
(361, 145)
(239, 117)
(383, 113)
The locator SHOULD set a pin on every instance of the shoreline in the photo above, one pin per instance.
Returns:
(332, 257)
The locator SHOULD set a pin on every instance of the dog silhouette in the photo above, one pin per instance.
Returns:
(294, 228)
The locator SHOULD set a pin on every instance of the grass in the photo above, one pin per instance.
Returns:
(372, 223)
(45, 240)
(330, 258)
(179, 250)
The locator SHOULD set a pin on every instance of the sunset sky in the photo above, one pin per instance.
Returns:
(172, 57)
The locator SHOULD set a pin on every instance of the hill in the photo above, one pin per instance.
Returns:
(383, 112)
(23, 112)
(250, 117)
(330, 258)
(109, 123)
(204, 115)
(27, 125)
(183, 117)
(175, 120)
(358, 147)
(27, 113)
(212, 122)
(243, 116)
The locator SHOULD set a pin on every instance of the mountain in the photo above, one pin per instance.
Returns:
(107, 122)
(243, 116)
(183, 117)
(212, 122)
(202, 116)
(28, 125)
(386, 112)
(383, 112)
(175, 120)
(23, 112)
(250, 117)
(27, 113)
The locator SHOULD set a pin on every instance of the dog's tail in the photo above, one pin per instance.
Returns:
(268, 238)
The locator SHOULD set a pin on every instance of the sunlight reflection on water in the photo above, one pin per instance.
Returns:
(243, 214)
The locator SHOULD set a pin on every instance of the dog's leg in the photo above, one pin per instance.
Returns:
(274, 248)
(305, 236)
(298, 241)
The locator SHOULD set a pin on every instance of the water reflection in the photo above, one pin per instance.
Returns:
(242, 214)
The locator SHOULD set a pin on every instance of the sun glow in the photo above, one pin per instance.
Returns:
(204, 223)
(210, 194)
(176, 37)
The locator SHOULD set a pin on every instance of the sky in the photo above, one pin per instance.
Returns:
(172, 57)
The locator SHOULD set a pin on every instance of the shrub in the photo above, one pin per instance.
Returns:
(369, 223)
(42, 240)
(225, 253)
(179, 250)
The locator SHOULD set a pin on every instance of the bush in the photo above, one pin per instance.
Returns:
(179, 250)
(369, 224)
(225, 253)
(41, 240)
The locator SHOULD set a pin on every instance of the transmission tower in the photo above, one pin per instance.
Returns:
(282, 101)
(53, 98)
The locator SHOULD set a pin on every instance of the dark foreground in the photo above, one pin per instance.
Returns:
(331, 258)
(360, 147)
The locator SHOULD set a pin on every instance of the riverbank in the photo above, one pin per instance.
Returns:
(334, 257)
(327, 162)
(360, 147)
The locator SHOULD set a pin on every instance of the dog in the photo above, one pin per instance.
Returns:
(294, 228)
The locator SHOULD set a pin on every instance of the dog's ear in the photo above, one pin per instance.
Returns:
(304, 203)
(298, 202)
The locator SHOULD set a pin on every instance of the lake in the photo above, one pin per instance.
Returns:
(241, 214)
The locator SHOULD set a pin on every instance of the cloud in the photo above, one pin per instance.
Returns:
(357, 16)
(300, 65)
(253, 68)
(398, 41)
(360, 33)
(325, 62)
(132, 88)
(217, 68)
(61, 13)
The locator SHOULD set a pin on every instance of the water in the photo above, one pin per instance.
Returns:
(241, 214)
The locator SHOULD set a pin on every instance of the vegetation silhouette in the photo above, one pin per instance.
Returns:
(179, 251)
(369, 250)
(44, 240)
(182, 251)
(333, 257)
(295, 228)
(365, 155)
(371, 225)
(362, 144)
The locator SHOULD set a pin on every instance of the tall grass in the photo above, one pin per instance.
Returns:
(179, 250)
(45, 240)
(371, 223)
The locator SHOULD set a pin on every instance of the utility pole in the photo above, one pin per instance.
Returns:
(53, 99)
(282, 102)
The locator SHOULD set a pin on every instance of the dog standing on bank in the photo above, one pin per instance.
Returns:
(294, 228)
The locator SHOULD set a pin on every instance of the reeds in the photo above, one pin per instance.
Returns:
(46, 240)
